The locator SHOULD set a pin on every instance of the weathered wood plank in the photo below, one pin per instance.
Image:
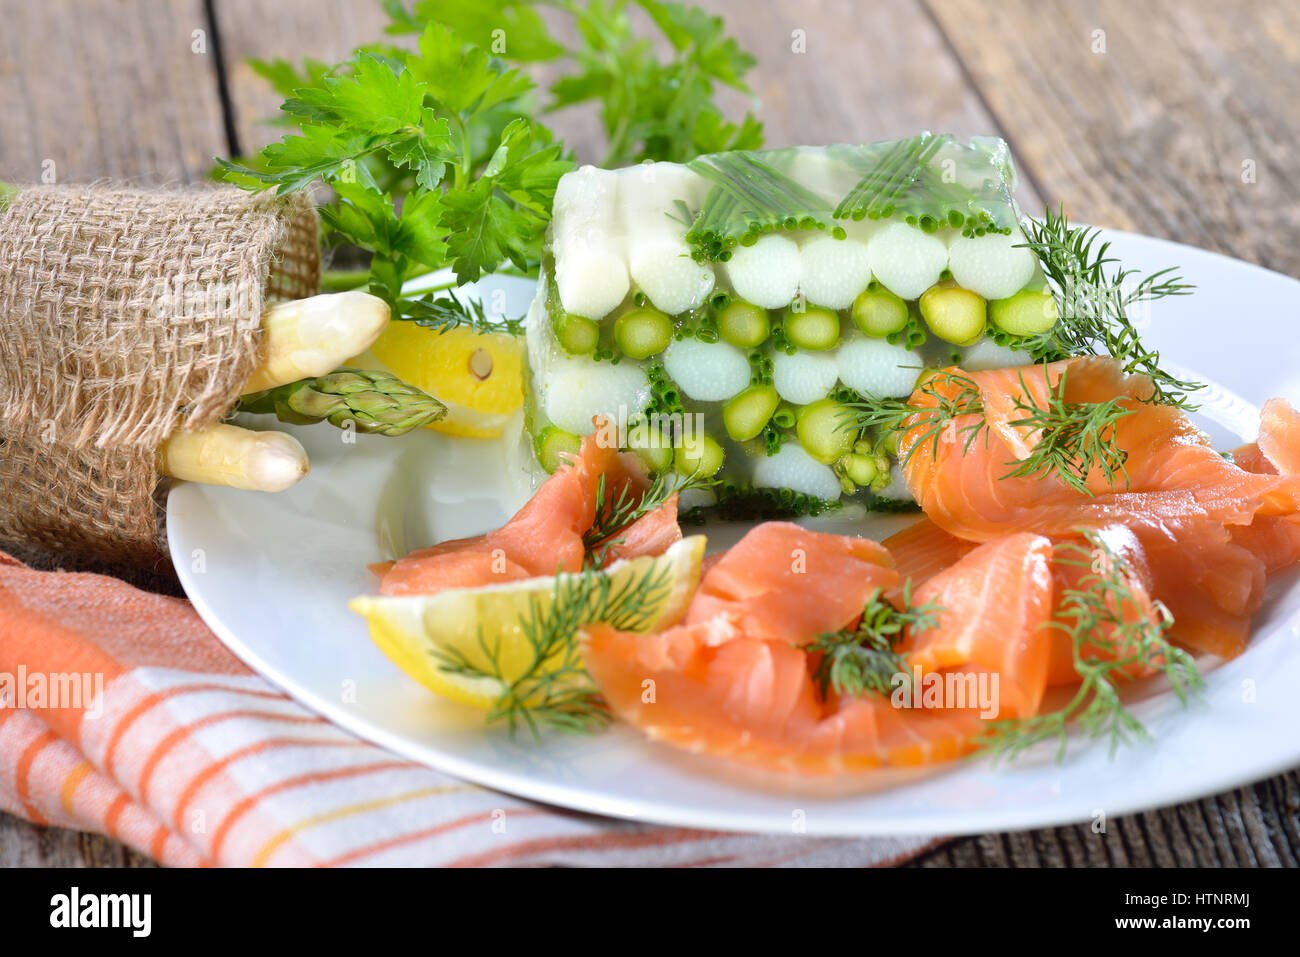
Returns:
(819, 81)
(108, 88)
(911, 82)
(26, 845)
(1174, 117)
(326, 30)
(1254, 826)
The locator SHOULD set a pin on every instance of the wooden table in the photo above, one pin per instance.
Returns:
(1146, 116)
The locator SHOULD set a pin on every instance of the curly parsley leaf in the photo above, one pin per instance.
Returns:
(506, 28)
(432, 154)
(320, 153)
(376, 99)
(651, 109)
(463, 79)
(424, 152)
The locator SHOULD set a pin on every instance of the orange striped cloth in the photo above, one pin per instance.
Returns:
(172, 746)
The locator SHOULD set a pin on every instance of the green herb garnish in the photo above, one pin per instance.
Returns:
(665, 397)
(1074, 438)
(615, 512)
(554, 689)
(1093, 296)
(1110, 630)
(863, 660)
(434, 154)
(936, 423)
(444, 311)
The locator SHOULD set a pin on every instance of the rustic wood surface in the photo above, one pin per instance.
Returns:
(1172, 118)
(108, 89)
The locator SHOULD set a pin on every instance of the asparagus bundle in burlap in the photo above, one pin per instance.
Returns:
(128, 314)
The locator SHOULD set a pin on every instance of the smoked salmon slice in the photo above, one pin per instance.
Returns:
(989, 600)
(546, 535)
(1172, 472)
(1075, 571)
(1279, 436)
(784, 582)
(923, 549)
(1275, 540)
(1208, 584)
(738, 686)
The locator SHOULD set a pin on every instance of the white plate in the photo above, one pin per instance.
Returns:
(272, 575)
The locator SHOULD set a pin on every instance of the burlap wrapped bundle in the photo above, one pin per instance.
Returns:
(128, 314)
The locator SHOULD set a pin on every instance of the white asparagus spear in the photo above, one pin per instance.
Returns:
(590, 264)
(658, 257)
(240, 458)
(313, 337)
(994, 266)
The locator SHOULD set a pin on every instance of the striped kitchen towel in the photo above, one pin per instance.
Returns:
(121, 713)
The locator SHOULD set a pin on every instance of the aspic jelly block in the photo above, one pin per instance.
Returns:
(727, 313)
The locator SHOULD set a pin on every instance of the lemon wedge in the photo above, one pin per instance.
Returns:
(421, 633)
(478, 376)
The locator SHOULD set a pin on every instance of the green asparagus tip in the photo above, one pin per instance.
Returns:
(366, 400)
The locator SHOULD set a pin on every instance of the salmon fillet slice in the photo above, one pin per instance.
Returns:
(546, 535)
(923, 549)
(734, 687)
(1173, 472)
(988, 599)
(784, 582)
(1274, 539)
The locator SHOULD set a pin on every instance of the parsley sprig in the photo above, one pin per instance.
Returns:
(382, 115)
(432, 154)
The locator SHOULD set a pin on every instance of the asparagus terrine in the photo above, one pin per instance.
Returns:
(725, 313)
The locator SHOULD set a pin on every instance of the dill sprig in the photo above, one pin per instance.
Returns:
(614, 513)
(553, 689)
(863, 660)
(1093, 303)
(1110, 631)
(1073, 438)
(444, 312)
(932, 424)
